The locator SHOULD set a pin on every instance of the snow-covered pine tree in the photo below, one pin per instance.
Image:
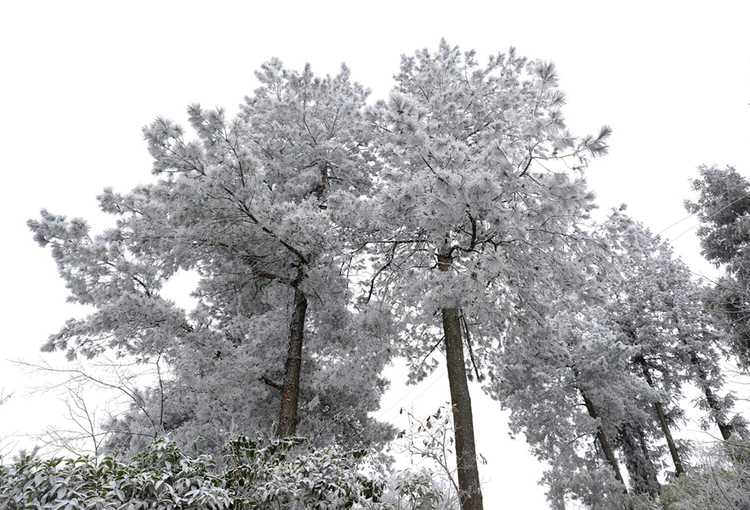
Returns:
(723, 207)
(578, 366)
(565, 378)
(658, 308)
(255, 206)
(474, 197)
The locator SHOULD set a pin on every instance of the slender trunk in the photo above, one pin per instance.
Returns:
(609, 454)
(293, 365)
(713, 402)
(470, 491)
(716, 411)
(679, 469)
(711, 399)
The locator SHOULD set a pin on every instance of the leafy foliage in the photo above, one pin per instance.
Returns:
(254, 474)
(161, 477)
(719, 480)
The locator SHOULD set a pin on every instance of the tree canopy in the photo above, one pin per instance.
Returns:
(328, 235)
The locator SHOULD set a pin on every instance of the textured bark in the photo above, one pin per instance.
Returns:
(293, 366)
(659, 408)
(643, 474)
(609, 454)
(470, 491)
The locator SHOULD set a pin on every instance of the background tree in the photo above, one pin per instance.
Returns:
(723, 208)
(575, 382)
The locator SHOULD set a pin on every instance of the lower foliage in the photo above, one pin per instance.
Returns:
(720, 480)
(254, 474)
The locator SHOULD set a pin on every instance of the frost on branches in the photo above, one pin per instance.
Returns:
(605, 371)
(481, 190)
(327, 235)
(257, 206)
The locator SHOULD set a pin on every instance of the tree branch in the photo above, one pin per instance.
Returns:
(270, 382)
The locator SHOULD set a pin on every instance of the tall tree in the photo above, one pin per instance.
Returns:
(598, 357)
(659, 309)
(565, 376)
(255, 206)
(474, 196)
(723, 208)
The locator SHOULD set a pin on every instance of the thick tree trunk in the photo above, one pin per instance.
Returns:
(470, 491)
(293, 365)
(609, 454)
(678, 466)
(643, 474)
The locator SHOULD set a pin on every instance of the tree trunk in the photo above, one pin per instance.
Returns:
(716, 411)
(713, 402)
(470, 491)
(711, 399)
(609, 454)
(293, 365)
(679, 469)
(643, 474)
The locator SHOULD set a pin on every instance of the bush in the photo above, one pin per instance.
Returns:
(255, 474)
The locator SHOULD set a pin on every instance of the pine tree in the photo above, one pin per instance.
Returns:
(576, 365)
(472, 200)
(723, 208)
(255, 206)
(660, 311)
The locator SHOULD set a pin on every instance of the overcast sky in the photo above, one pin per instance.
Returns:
(79, 80)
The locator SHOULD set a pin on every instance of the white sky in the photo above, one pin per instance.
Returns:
(78, 80)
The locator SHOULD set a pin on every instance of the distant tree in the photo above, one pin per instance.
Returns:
(723, 208)
(568, 388)
(606, 360)
(475, 196)
(655, 308)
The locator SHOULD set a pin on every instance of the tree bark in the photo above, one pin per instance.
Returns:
(643, 473)
(470, 491)
(609, 454)
(678, 466)
(293, 364)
